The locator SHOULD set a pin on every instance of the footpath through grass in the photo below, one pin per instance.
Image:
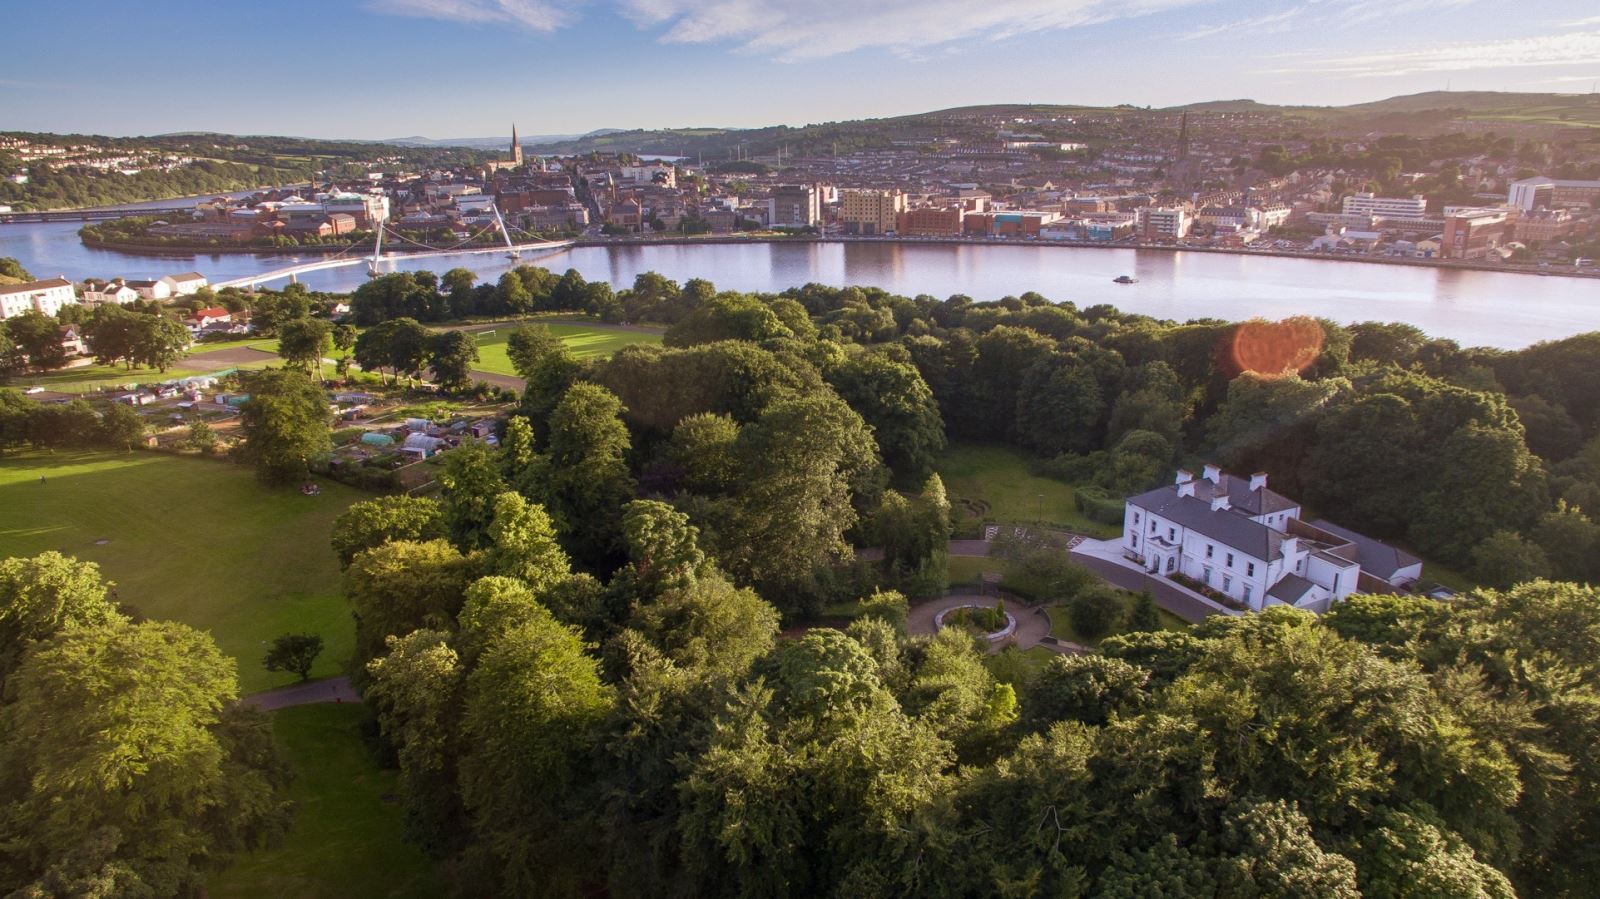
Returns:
(991, 482)
(346, 841)
(191, 540)
(585, 341)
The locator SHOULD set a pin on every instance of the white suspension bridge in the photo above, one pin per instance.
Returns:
(342, 260)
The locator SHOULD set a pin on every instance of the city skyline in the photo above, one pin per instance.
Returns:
(379, 69)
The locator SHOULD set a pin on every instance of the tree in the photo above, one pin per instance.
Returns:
(534, 706)
(663, 547)
(11, 268)
(1484, 480)
(1571, 542)
(122, 750)
(408, 345)
(893, 398)
(1265, 419)
(801, 463)
(471, 481)
(1410, 856)
(386, 519)
(451, 356)
(459, 283)
(121, 427)
(159, 341)
(522, 544)
(529, 344)
(1097, 612)
(1504, 559)
(512, 295)
(202, 437)
(304, 342)
(110, 335)
(701, 453)
(344, 337)
(1086, 688)
(582, 479)
(285, 424)
(294, 652)
(372, 349)
(398, 587)
(416, 691)
(44, 595)
(38, 337)
(1143, 616)
(727, 317)
(708, 626)
(1269, 850)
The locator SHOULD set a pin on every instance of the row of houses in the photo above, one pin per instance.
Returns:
(49, 295)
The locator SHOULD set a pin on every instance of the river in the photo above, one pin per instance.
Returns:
(1476, 308)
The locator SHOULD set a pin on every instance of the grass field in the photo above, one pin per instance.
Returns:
(346, 841)
(192, 540)
(585, 341)
(987, 481)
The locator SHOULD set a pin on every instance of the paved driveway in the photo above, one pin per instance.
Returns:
(1104, 557)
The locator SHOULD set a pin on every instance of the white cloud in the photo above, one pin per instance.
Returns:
(1582, 23)
(1269, 23)
(791, 31)
(1357, 12)
(1576, 48)
(535, 15)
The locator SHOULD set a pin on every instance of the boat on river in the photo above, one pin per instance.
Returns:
(1126, 279)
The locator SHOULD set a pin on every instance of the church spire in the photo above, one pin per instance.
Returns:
(516, 148)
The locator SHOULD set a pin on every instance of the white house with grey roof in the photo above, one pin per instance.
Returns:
(1247, 542)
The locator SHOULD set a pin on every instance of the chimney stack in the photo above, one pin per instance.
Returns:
(1184, 477)
(1186, 488)
(1258, 481)
(1213, 473)
(1220, 502)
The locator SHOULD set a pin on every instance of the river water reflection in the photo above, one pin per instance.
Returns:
(1473, 307)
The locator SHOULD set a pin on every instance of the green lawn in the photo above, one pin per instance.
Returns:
(992, 482)
(346, 841)
(970, 569)
(193, 540)
(585, 341)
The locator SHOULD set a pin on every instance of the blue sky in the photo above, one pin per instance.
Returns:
(467, 68)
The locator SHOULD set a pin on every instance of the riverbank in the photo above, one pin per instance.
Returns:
(168, 249)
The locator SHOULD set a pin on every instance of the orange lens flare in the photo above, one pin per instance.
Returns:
(1275, 349)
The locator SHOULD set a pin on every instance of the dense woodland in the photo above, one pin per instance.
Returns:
(573, 651)
(223, 163)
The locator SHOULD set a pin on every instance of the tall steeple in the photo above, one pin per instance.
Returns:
(516, 148)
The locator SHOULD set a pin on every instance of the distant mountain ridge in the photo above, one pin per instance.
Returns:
(490, 143)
